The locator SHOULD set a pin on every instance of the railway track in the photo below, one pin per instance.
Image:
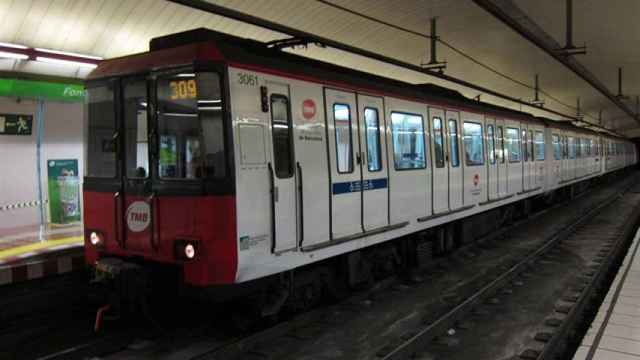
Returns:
(604, 233)
(394, 320)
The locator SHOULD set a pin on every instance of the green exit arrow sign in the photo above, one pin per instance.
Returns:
(16, 124)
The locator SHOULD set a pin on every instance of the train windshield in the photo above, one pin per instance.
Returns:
(182, 140)
(189, 126)
(100, 132)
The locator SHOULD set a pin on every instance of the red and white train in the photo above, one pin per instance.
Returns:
(229, 161)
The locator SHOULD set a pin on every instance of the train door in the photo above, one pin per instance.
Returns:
(492, 165)
(571, 141)
(455, 169)
(137, 198)
(539, 156)
(513, 157)
(281, 169)
(556, 167)
(501, 153)
(564, 143)
(526, 185)
(345, 159)
(601, 154)
(373, 165)
(440, 188)
(475, 182)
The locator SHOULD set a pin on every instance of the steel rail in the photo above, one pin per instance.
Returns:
(211, 8)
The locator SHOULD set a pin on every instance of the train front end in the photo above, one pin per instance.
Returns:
(159, 188)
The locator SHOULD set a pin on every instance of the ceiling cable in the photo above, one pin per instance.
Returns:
(454, 49)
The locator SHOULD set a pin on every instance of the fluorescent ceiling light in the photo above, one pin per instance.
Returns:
(4, 54)
(65, 62)
(186, 75)
(15, 46)
(69, 54)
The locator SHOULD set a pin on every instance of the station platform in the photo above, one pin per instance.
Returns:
(615, 331)
(32, 252)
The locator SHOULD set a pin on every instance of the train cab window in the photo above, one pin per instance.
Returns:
(491, 144)
(344, 148)
(407, 133)
(557, 151)
(438, 142)
(135, 127)
(538, 145)
(101, 133)
(374, 161)
(500, 151)
(473, 143)
(190, 126)
(282, 132)
(513, 145)
(453, 143)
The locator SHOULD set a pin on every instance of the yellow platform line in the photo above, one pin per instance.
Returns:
(19, 250)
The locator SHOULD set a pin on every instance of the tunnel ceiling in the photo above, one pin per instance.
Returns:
(495, 56)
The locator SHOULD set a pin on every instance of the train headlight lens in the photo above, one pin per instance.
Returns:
(96, 238)
(186, 249)
(189, 251)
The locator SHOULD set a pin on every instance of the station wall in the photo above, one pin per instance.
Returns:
(62, 139)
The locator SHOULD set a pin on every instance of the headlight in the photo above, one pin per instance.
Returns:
(96, 238)
(186, 250)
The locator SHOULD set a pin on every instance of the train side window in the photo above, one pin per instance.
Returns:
(578, 148)
(344, 148)
(407, 133)
(513, 145)
(557, 151)
(539, 145)
(453, 143)
(473, 143)
(371, 122)
(572, 147)
(438, 142)
(282, 132)
(491, 143)
(501, 153)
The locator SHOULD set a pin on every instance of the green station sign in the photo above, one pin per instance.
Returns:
(42, 89)
(15, 124)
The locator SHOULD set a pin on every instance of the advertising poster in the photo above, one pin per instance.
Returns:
(64, 190)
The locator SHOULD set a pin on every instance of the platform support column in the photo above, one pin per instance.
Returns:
(39, 139)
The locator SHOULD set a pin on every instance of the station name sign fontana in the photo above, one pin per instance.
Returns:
(31, 89)
(16, 124)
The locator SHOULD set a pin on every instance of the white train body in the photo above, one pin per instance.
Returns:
(331, 201)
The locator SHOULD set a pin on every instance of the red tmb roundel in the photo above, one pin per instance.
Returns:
(308, 109)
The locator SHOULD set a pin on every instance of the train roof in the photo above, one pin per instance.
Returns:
(202, 44)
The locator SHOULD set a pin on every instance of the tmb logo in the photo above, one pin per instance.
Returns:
(308, 109)
(138, 216)
(476, 180)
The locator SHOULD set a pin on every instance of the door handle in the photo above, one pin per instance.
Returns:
(358, 158)
(275, 194)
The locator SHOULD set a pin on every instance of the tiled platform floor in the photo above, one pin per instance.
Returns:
(615, 332)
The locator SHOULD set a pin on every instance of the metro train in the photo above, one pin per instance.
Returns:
(232, 162)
